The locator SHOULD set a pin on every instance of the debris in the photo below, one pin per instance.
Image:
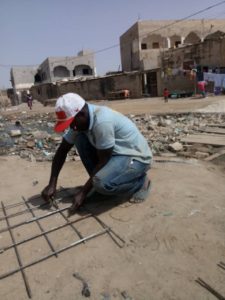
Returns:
(85, 290)
(15, 132)
(210, 139)
(175, 147)
(167, 213)
(125, 295)
(166, 134)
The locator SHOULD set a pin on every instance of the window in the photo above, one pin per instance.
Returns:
(143, 46)
(155, 45)
(85, 71)
(177, 43)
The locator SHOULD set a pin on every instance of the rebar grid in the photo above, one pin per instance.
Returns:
(54, 252)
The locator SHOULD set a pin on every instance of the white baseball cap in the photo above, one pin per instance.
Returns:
(66, 108)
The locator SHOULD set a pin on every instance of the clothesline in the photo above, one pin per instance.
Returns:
(218, 79)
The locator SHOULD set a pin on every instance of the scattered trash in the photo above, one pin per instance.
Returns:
(15, 132)
(167, 213)
(164, 134)
(105, 296)
(125, 295)
(85, 290)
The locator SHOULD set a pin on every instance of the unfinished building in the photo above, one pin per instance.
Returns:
(51, 70)
(143, 44)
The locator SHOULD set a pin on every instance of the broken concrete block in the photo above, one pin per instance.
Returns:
(201, 155)
(15, 132)
(175, 147)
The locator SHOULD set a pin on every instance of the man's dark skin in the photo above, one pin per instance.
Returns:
(80, 123)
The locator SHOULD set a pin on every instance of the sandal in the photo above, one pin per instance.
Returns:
(141, 195)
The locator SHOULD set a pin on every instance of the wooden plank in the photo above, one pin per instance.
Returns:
(216, 125)
(212, 130)
(210, 139)
(215, 155)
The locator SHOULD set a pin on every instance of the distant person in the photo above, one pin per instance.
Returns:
(202, 88)
(166, 95)
(112, 149)
(29, 100)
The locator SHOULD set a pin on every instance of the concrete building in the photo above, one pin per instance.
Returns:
(22, 78)
(181, 68)
(51, 70)
(142, 44)
(68, 67)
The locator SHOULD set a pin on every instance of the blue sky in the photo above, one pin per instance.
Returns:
(31, 30)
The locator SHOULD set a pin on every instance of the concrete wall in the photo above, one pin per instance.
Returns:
(91, 89)
(210, 53)
(23, 77)
(129, 49)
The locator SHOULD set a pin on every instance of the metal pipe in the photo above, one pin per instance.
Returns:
(42, 233)
(76, 243)
(18, 256)
(39, 225)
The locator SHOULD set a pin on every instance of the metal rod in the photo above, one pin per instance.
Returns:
(76, 243)
(41, 228)
(71, 225)
(110, 231)
(18, 256)
(21, 203)
(27, 210)
(221, 265)
(210, 289)
(42, 233)
(34, 219)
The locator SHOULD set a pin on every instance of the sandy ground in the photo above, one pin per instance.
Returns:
(173, 238)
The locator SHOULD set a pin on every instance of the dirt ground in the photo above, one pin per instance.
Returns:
(174, 237)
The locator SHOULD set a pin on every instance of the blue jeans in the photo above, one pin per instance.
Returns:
(122, 175)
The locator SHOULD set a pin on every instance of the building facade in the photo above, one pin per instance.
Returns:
(51, 70)
(173, 47)
(143, 43)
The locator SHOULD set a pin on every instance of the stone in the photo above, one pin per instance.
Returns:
(201, 155)
(176, 147)
(30, 144)
(15, 132)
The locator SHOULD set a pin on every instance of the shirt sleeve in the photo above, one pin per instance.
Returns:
(70, 136)
(104, 135)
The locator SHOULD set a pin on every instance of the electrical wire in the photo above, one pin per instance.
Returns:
(150, 32)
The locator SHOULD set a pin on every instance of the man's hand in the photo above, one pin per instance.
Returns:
(79, 198)
(48, 192)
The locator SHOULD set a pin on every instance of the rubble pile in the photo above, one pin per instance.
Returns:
(165, 132)
(33, 137)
